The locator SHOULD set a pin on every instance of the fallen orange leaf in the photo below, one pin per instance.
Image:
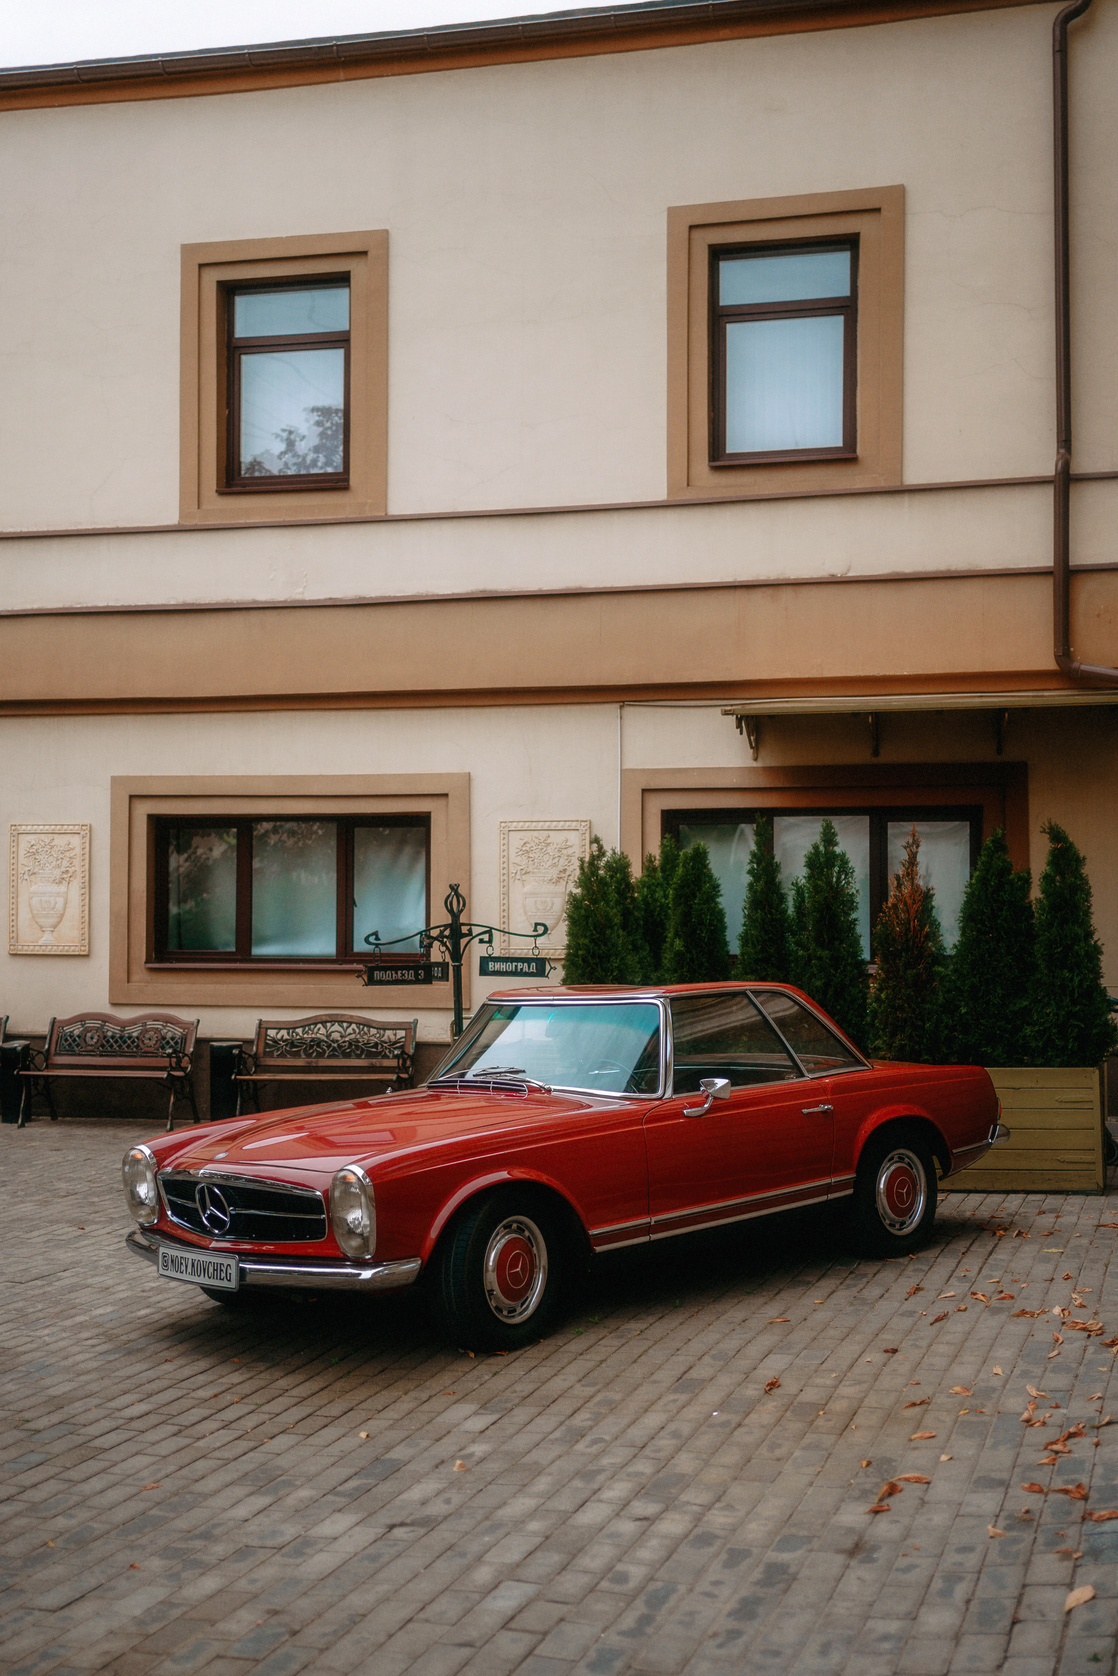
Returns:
(936, 1318)
(776, 1319)
(771, 1384)
(962, 1390)
(152, 1486)
(920, 1404)
(994, 1531)
(916, 1436)
(1034, 1489)
(1079, 1597)
(1033, 1392)
(460, 1466)
(1100, 1518)
(879, 1507)
(913, 1478)
(1076, 1492)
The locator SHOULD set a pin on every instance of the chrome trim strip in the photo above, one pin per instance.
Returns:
(747, 1216)
(335, 1277)
(206, 1173)
(747, 1199)
(617, 1227)
(978, 1145)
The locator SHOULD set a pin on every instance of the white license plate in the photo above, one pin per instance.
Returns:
(201, 1268)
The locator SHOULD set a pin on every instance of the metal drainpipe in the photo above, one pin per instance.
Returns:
(1099, 674)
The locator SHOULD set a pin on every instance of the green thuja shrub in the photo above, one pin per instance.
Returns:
(827, 959)
(598, 945)
(617, 870)
(765, 939)
(908, 948)
(1071, 1018)
(987, 997)
(654, 889)
(697, 948)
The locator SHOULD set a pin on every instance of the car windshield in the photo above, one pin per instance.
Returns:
(609, 1048)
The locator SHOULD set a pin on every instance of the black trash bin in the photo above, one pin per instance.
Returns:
(14, 1055)
(224, 1058)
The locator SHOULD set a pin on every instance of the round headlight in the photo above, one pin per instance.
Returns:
(138, 1171)
(353, 1212)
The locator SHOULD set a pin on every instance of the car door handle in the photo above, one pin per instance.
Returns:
(810, 1111)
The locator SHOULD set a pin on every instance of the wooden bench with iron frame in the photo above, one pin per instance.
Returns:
(155, 1047)
(327, 1047)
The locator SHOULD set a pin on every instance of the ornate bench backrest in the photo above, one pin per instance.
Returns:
(154, 1041)
(334, 1039)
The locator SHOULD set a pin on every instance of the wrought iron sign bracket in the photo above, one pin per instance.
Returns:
(453, 938)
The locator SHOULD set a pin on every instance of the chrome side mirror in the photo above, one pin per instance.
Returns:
(715, 1088)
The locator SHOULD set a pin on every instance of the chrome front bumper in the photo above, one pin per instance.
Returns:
(317, 1277)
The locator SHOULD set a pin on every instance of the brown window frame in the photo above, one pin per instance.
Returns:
(725, 314)
(237, 348)
(875, 218)
(241, 955)
(878, 814)
(208, 492)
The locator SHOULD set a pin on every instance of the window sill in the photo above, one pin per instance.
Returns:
(294, 483)
(346, 966)
(783, 457)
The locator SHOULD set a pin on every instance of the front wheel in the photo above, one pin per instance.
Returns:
(497, 1276)
(895, 1193)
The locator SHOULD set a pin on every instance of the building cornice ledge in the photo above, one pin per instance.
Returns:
(650, 23)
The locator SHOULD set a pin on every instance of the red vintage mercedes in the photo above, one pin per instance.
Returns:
(563, 1122)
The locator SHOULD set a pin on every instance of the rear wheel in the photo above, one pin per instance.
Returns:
(895, 1193)
(497, 1276)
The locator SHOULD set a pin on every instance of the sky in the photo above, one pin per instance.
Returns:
(61, 31)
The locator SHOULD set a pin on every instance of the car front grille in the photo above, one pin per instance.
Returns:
(236, 1208)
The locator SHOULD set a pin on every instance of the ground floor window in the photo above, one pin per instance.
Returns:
(950, 838)
(288, 888)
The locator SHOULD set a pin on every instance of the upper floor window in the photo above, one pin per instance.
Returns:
(785, 343)
(284, 411)
(288, 385)
(783, 353)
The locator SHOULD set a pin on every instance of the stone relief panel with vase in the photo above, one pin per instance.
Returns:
(539, 867)
(48, 889)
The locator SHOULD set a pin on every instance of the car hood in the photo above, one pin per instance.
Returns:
(316, 1140)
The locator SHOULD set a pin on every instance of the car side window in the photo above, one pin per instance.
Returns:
(725, 1036)
(818, 1049)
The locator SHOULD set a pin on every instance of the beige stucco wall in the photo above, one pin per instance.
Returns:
(531, 763)
(526, 211)
(862, 535)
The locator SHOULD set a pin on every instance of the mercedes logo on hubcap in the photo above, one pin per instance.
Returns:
(213, 1208)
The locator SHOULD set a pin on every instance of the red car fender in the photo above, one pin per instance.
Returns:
(478, 1184)
(899, 1113)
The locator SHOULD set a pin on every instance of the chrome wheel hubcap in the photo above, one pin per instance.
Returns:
(514, 1273)
(902, 1191)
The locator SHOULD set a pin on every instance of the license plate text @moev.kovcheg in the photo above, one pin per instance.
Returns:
(202, 1268)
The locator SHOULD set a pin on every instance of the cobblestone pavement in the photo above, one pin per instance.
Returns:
(677, 1481)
